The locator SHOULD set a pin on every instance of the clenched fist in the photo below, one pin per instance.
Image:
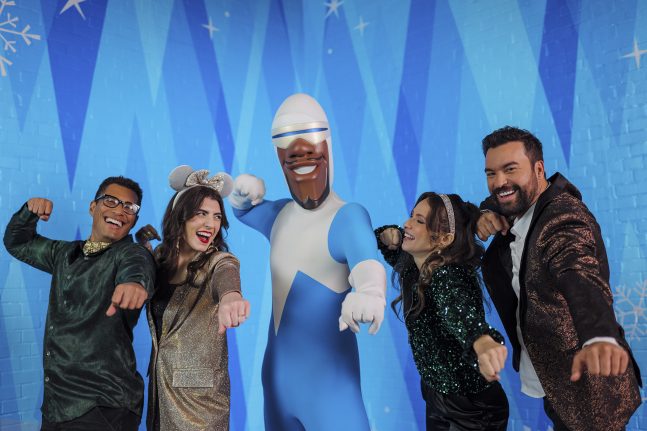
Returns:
(41, 207)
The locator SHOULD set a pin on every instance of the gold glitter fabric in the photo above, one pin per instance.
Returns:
(189, 379)
(93, 247)
(565, 300)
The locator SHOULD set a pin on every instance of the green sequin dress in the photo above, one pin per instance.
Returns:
(442, 334)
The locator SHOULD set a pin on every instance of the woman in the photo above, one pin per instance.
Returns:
(435, 265)
(197, 297)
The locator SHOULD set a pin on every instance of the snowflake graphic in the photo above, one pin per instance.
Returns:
(9, 34)
(631, 309)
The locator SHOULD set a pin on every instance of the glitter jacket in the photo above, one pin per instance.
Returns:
(188, 368)
(565, 300)
(443, 334)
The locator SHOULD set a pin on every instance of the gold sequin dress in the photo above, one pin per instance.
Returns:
(189, 380)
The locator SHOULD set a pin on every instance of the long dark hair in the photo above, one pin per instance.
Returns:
(466, 249)
(187, 205)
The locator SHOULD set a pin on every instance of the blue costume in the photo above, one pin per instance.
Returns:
(311, 377)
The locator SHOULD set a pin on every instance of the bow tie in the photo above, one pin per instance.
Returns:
(93, 247)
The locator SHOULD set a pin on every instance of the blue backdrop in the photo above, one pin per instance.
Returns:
(93, 88)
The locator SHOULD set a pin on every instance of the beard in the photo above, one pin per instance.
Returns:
(308, 202)
(524, 199)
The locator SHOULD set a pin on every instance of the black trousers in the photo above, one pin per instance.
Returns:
(486, 411)
(97, 419)
(558, 425)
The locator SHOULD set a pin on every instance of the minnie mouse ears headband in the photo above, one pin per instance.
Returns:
(184, 177)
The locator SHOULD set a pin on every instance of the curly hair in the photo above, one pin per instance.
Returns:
(465, 249)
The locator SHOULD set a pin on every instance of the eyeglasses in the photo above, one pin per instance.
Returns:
(113, 202)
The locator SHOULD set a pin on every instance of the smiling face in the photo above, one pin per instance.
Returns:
(112, 224)
(423, 234)
(417, 240)
(201, 229)
(305, 166)
(513, 180)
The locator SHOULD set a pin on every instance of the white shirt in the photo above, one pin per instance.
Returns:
(530, 384)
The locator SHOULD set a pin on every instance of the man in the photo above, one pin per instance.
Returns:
(548, 276)
(98, 288)
(320, 247)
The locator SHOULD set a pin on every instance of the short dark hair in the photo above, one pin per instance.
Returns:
(507, 134)
(121, 181)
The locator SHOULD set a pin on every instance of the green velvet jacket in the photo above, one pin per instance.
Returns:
(443, 334)
(88, 358)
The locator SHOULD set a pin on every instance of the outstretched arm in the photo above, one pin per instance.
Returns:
(570, 252)
(351, 241)
(456, 294)
(233, 309)
(135, 279)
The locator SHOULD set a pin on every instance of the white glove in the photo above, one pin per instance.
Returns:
(248, 191)
(367, 303)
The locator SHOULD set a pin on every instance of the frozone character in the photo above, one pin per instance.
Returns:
(320, 248)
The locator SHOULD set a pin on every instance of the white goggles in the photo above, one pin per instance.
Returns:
(316, 132)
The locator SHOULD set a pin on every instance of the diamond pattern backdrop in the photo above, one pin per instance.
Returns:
(92, 88)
